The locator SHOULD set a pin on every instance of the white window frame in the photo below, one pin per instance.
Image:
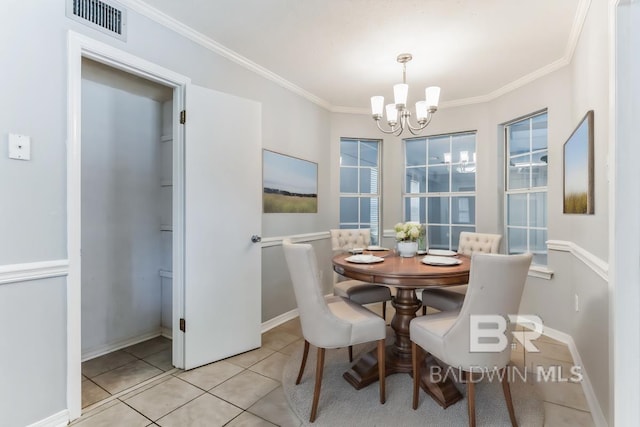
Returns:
(431, 195)
(526, 191)
(376, 217)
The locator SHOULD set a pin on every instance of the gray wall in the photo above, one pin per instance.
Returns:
(121, 201)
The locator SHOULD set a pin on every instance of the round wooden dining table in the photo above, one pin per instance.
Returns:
(405, 275)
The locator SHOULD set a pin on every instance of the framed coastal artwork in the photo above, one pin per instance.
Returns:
(578, 169)
(289, 184)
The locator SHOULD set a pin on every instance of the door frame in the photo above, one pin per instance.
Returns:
(78, 47)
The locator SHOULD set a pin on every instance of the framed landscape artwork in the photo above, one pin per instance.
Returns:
(289, 184)
(578, 169)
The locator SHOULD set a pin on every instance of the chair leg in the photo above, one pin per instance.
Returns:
(384, 310)
(416, 373)
(305, 352)
(507, 397)
(424, 310)
(350, 353)
(471, 399)
(381, 370)
(316, 389)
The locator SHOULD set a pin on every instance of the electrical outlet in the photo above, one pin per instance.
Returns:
(576, 302)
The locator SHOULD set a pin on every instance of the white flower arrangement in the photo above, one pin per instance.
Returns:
(408, 231)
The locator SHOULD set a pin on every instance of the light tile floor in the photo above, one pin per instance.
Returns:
(138, 387)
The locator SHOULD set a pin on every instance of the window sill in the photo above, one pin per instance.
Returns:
(541, 272)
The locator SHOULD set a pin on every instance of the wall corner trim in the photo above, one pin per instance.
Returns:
(599, 266)
(26, 272)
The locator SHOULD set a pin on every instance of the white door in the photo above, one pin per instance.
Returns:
(223, 209)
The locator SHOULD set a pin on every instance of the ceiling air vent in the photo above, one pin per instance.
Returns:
(106, 16)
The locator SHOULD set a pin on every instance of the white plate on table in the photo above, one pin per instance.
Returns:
(376, 248)
(364, 259)
(440, 260)
(441, 252)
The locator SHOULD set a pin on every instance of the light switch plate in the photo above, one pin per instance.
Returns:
(19, 147)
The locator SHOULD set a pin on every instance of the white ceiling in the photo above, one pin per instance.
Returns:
(344, 51)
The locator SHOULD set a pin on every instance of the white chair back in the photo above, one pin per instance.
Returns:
(319, 326)
(478, 242)
(345, 239)
(495, 288)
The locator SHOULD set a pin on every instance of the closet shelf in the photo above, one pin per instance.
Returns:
(166, 274)
(166, 183)
(166, 138)
(166, 227)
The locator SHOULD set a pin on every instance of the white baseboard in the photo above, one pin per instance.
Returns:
(108, 348)
(279, 320)
(587, 388)
(56, 420)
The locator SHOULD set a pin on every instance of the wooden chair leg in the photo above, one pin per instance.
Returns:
(471, 399)
(416, 373)
(350, 353)
(384, 310)
(424, 310)
(316, 389)
(305, 352)
(381, 370)
(507, 397)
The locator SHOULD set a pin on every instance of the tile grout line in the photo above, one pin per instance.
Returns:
(116, 396)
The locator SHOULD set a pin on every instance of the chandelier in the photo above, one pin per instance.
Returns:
(424, 109)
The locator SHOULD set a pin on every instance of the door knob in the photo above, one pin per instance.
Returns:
(256, 239)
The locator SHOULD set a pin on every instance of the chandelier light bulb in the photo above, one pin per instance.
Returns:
(377, 105)
(392, 114)
(421, 111)
(400, 92)
(432, 96)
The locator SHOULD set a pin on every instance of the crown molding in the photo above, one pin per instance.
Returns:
(199, 38)
(207, 42)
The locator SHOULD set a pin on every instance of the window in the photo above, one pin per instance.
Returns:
(526, 186)
(360, 185)
(440, 186)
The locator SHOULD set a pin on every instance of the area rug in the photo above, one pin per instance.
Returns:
(342, 405)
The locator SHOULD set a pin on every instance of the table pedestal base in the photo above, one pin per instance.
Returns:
(365, 372)
(398, 356)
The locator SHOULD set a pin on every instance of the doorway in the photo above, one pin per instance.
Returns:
(126, 230)
(216, 208)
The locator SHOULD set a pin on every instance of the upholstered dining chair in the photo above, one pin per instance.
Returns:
(451, 298)
(343, 240)
(330, 322)
(495, 288)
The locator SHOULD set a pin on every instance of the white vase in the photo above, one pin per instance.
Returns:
(407, 249)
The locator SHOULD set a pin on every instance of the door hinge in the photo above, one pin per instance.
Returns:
(182, 325)
(183, 117)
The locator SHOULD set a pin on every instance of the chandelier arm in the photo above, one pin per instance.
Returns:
(390, 132)
(417, 130)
